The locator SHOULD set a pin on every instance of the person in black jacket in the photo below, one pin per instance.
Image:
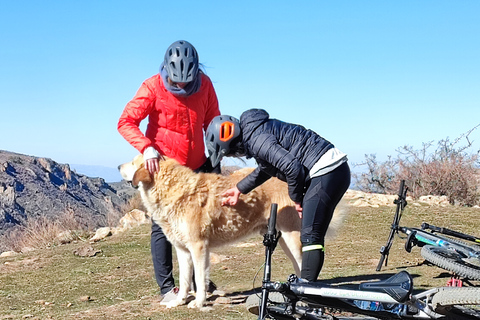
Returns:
(317, 173)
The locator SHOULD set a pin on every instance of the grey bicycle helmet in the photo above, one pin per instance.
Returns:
(223, 137)
(181, 61)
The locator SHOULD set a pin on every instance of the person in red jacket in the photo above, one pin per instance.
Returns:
(180, 102)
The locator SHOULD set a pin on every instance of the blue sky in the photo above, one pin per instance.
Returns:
(370, 76)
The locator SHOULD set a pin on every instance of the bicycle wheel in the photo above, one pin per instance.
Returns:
(451, 261)
(456, 302)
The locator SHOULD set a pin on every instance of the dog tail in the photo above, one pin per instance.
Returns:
(340, 214)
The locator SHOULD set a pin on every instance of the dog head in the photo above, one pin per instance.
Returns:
(135, 171)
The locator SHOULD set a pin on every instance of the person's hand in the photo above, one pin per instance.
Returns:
(152, 165)
(230, 197)
(298, 207)
(151, 158)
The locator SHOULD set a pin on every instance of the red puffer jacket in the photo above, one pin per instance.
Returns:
(175, 124)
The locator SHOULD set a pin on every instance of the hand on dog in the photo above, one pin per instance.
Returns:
(298, 207)
(151, 157)
(230, 197)
(152, 165)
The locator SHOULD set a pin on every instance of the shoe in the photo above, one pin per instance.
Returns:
(210, 289)
(214, 291)
(169, 296)
(211, 286)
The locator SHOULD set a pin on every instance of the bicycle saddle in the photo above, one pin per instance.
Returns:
(398, 286)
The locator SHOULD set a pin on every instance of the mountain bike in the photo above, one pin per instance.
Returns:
(392, 298)
(442, 247)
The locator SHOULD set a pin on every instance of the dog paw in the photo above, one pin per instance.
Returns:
(196, 304)
(175, 303)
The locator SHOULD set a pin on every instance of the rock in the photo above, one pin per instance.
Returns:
(134, 218)
(8, 254)
(101, 233)
(27, 249)
(66, 237)
(435, 200)
(86, 251)
(86, 298)
(32, 187)
(357, 198)
(223, 300)
(363, 199)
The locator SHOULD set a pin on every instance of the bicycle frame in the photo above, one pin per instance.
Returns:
(401, 203)
(450, 232)
(446, 252)
(393, 295)
(316, 298)
(420, 237)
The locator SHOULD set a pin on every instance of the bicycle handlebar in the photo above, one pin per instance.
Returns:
(273, 219)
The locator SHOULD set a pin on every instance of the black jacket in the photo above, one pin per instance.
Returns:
(283, 150)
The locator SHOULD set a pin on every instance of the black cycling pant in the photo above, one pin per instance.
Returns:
(322, 195)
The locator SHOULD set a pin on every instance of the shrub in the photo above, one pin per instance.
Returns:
(450, 170)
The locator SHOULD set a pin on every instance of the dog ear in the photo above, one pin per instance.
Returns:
(141, 175)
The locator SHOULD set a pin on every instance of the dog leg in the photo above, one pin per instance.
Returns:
(185, 276)
(292, 246)
(201, 262)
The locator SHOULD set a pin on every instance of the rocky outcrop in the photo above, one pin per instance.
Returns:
(32, 187)
(357, 198)
(130, 220)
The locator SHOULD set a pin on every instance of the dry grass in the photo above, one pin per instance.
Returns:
(42, 232)
(54, 283)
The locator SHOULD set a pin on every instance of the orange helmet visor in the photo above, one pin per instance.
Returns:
(227, 131)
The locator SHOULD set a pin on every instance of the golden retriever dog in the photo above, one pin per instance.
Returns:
(187, 205)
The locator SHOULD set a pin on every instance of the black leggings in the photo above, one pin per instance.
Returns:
(321, 197)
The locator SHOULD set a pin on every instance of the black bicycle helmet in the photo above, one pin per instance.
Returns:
(181, 61)
(223, 137)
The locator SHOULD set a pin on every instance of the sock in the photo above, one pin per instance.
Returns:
(312, 263)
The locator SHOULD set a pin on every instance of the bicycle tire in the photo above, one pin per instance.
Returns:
(253, 301)
(451, 301)
(451, 261)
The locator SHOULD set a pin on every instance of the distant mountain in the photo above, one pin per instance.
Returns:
(107, 173)
(32, 186)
